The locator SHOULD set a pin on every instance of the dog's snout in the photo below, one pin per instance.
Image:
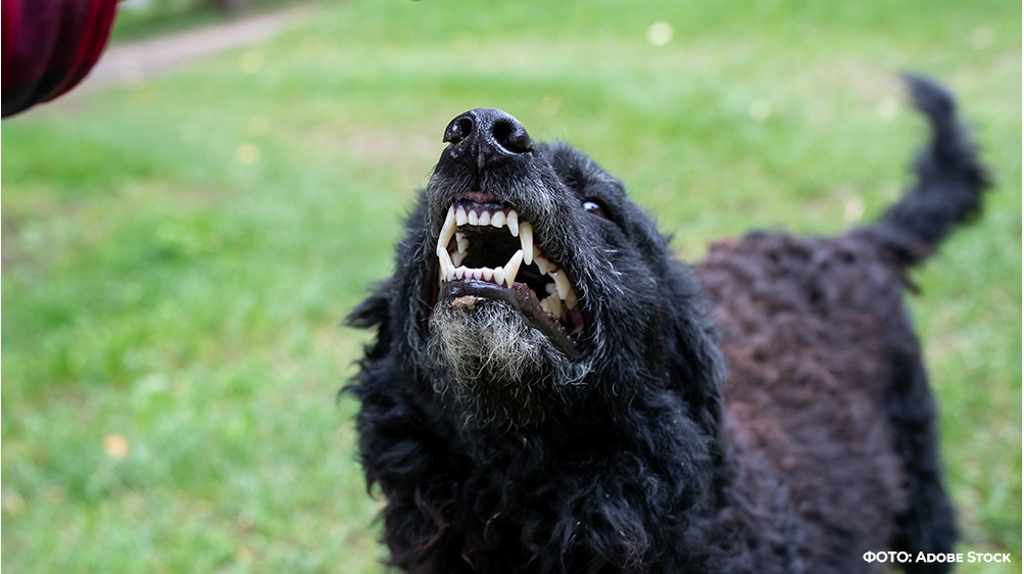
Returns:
(486, 137)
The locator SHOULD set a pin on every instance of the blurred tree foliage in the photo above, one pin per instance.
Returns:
(140, 18)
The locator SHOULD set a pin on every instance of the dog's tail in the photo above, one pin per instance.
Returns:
(950, 180)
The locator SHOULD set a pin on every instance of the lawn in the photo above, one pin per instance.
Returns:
(178, 254)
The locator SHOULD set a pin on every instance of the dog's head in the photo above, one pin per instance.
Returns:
(530, 287)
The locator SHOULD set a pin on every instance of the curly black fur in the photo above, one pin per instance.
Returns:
(627, 449)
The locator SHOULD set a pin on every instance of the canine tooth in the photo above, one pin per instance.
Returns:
(449, 271)
(488, 273)
(561, 283)
(570, 301)
(460, 217)
(499, 276)
(462, 244)
(474, 219)
(485, 218)
(457, 258)
(442, 255)
(513, 222)
(543, 264)
(449, 218)
(447, 229)
(498, 219)
(526, 239)
(551, 289)
(512, 267)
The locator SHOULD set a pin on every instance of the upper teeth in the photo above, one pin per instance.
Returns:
(450, 263)
(526, 238)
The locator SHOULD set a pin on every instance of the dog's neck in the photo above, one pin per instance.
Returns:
(622, 475)
(594, 427)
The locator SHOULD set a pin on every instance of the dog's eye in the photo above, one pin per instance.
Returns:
(595, 208)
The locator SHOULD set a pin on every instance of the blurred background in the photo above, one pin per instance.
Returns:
(183, 234)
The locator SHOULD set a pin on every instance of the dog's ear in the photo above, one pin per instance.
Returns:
(369, 313)
(374, 312)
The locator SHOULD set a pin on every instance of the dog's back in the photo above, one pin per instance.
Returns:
(826, 386)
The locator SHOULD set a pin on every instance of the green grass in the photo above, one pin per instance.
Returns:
(157, 288)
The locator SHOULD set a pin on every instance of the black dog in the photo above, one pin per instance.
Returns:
(548, 388)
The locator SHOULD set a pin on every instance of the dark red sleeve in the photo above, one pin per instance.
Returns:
(49, 46)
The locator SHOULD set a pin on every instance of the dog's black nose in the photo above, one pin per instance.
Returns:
(486, 137)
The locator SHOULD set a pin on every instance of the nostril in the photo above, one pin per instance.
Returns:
(458, 130)
(511, 135)
(465, 126)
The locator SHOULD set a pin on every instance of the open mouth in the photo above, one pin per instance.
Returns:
(485, 251)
